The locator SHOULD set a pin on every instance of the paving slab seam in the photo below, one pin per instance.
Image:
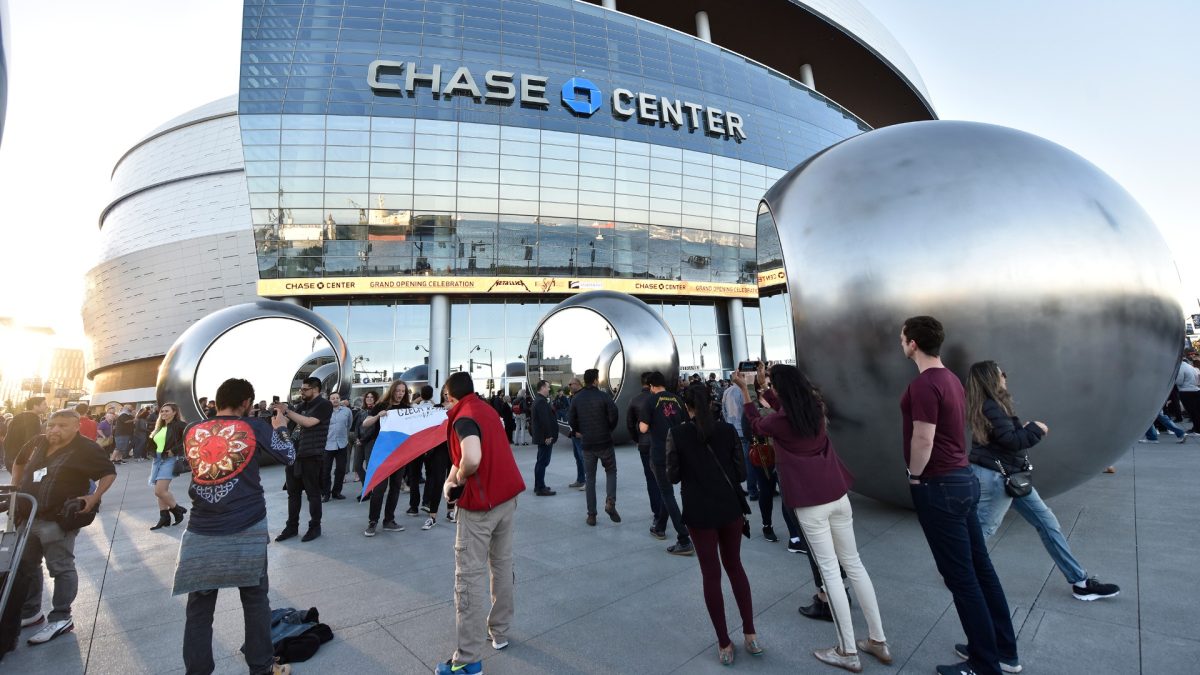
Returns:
(924, 638)
(104, 575)
(1137, 558)
(609, 604)
(1050, 575)
(400, 642)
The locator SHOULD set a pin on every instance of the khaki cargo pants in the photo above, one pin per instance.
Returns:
(484, 542)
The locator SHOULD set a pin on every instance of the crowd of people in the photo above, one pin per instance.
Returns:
(726, 443)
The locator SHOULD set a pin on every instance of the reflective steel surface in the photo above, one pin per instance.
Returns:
(191, 359)
(1028, 254)
(645, 342)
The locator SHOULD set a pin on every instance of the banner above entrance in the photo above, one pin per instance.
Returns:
(275, 288)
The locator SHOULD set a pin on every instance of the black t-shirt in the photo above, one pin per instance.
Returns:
(62, 476)
(465, 426)
(661, 411)
(125, 423)
(312, 439)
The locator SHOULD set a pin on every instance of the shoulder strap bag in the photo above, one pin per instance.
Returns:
(1017, 483)
(737, 491)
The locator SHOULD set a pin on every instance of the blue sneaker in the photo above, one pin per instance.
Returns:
(450, 668)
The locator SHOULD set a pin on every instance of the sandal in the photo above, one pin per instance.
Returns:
(725, 656)
(752, 646)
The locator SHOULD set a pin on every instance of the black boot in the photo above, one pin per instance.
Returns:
(164, 519)
(178, 512)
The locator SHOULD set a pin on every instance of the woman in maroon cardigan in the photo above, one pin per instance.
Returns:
(815, 484)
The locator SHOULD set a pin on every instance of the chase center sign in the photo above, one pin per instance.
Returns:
(580, 95)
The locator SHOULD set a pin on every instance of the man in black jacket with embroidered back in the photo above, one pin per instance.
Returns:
(593, 416)
(543, 429)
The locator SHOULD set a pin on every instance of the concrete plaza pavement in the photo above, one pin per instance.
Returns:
(608, 599)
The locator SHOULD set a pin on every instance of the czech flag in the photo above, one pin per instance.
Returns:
(404, 435)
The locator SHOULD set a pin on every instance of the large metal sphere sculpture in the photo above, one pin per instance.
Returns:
(178, 373)
(1029, 254)
(646, 345)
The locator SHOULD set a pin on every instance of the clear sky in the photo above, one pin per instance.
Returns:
(1115, 82)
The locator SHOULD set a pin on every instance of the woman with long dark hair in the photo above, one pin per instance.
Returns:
(1000, 445)
(704, 455)
(816, 484)
(167, 438)
(364, 439)
(396, 398)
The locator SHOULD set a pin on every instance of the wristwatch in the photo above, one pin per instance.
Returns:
(910, 474)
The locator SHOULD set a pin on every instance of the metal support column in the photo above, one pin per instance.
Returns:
(806, 76)
(737, 330)
(702, 30)
(439, 342)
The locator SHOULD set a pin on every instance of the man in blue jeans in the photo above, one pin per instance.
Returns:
(580, 475)
(945, 496)
(543, 429)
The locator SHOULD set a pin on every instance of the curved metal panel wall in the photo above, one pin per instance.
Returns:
(137, 304)
(176, 212)
(205, 147)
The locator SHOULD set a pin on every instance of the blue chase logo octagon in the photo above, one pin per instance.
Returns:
(574, 88)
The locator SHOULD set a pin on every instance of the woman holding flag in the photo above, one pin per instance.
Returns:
(396, 398)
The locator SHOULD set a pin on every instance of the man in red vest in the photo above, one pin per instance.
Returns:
(484, 481)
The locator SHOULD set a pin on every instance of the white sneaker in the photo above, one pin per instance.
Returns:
(51, 631)
(499, 645)
(429, 523)
(33, 620)
(450, 516)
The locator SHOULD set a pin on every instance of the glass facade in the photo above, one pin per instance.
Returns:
(347, 182)
(490, 338)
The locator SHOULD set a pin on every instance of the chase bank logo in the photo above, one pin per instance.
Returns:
(575, 90)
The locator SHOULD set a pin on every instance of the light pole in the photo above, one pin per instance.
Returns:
(491, 369)
(702, 346)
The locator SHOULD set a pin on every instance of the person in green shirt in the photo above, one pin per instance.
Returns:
(167, 440)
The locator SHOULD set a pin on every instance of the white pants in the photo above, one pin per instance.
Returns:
(829, 529)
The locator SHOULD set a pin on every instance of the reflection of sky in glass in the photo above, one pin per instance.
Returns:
(267, 352)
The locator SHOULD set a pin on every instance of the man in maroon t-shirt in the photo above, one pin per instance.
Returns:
(945, 495)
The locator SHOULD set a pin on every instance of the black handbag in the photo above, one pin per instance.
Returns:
(72, 517)
(1017, 483)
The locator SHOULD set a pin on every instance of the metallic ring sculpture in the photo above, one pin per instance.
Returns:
(645, 339)
(1030, 256)
(177, 374)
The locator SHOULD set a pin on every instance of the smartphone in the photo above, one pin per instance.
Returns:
(274, 399)
(749, 370)
(455, 493)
